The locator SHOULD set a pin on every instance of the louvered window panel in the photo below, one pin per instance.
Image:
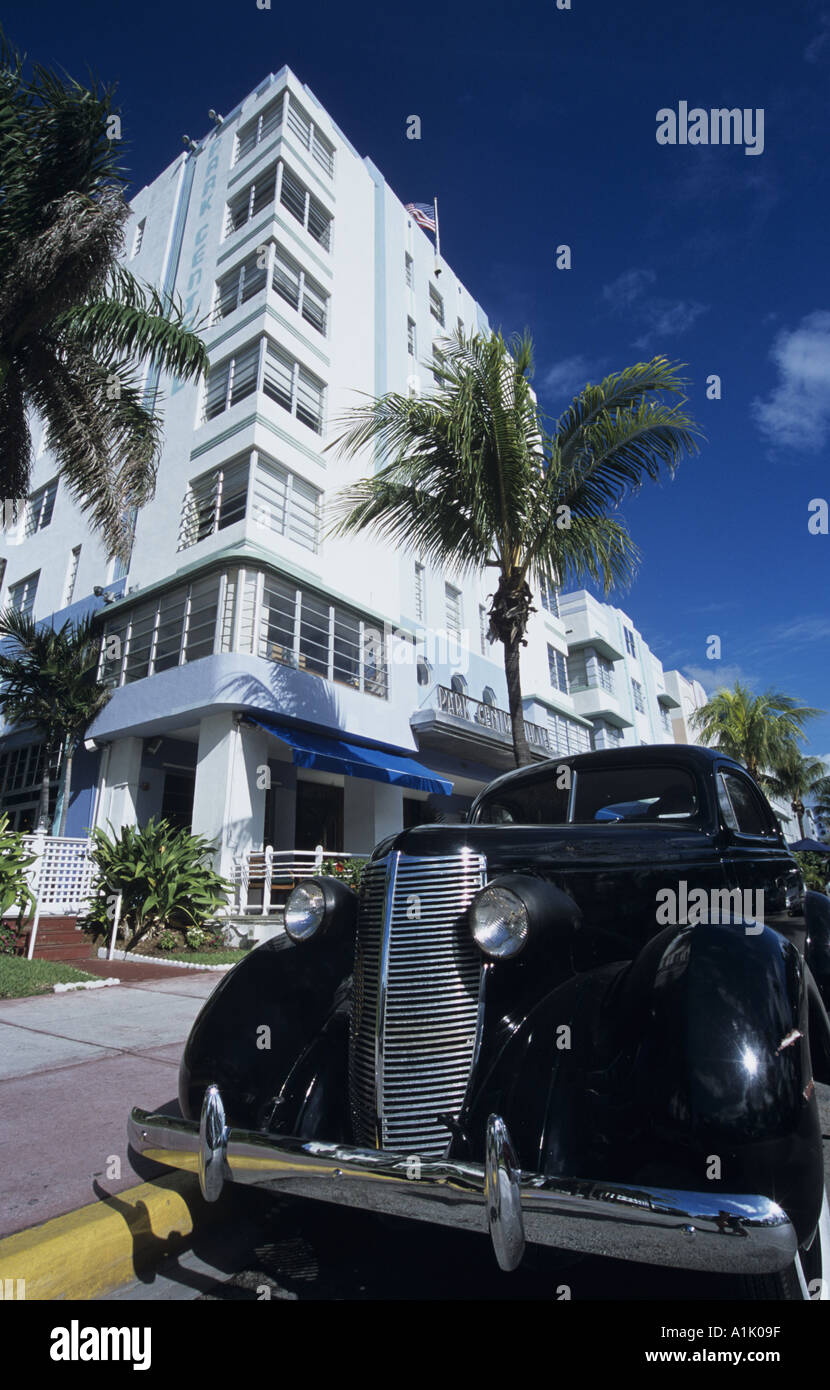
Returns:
(347, 644)
(299, 123)
(248, 613)
(323, 152)
(276, 640)
(293, 195)
(140, 642)
(244, 378)
(238, 211)
(304, 514)
(286, 279)
(264, 191)
(415, 1011)
(217, 390)
(278, 380)
(319, 223)
(310, 401)
(315, 306)
(314, 634)
(271, 118)
(201, 624)
(169, 631)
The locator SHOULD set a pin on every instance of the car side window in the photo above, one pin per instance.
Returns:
(750, 815)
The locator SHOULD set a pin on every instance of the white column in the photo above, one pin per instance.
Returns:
(230, 790)
(371, 810)
(119, 786)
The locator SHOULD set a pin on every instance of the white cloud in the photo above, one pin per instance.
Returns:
(713, 676)
(796, 414)
(817, 45)
(566, 378)
(628, 287)
(653, 315)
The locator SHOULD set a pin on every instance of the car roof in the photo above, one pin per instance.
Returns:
(687, 755)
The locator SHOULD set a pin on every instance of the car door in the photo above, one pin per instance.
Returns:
(756, 860)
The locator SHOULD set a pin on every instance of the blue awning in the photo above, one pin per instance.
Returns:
(353, 760)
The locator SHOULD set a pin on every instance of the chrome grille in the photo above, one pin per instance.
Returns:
(417, 984)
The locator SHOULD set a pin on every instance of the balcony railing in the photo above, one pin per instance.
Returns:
(489, 717)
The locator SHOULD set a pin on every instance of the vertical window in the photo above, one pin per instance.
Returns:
(22, 594)
(411, 345)
(2, 570)
(437, 363)
(409, 269)
(40, 507)
(558, 669)
(309, 136)
(637, 693)
(299, 290)
(630, 644)
(230, 381)
(71, 575)
(483, 627)
(239, 285)
(420, 606)
(452, 599)
(214, 501)
(251, 200)
(307, 209)
(138, 238)
(436, 305)
(548, 594)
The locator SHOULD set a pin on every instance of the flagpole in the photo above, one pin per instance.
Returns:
(437, 232)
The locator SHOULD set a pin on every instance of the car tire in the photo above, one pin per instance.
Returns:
(807, 1279)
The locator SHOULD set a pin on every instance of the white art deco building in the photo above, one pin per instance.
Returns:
(271, 684)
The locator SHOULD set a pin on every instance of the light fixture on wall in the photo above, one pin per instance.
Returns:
(153, 746)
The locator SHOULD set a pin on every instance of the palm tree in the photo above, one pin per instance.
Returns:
(472, 480)
(795, 776)
(74, 324)
(48, 679)
(756, 730)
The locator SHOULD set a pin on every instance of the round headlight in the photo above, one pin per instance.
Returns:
(499, 922)
(305, 909)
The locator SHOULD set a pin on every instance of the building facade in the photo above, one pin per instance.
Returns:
(273, 683)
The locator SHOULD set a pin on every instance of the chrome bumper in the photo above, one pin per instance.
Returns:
(718, 1232)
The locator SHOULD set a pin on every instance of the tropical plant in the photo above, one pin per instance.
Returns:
(350, 870)
(794, 776)
(74, 323)
(48, 679)
(815, 869)
(756, 730)
(471, 480)
(164, 876)
(15, 893)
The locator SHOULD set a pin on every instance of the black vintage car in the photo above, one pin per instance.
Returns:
(590, 1018)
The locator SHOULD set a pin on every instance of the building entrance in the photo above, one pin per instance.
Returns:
(319, 816)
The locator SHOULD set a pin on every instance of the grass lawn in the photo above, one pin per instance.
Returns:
(19, 977)
(228, 957)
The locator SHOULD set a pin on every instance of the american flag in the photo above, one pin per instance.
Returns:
(424, 215)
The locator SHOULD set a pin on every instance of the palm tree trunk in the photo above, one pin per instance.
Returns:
(69, 753)
(798, 807)
(42, 827)
(521, 750)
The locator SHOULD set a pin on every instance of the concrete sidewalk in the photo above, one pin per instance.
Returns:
(71, 1068)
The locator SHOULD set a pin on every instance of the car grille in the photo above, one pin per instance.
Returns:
(415, 1016)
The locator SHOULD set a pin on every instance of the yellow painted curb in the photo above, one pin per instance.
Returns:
(98, 1248)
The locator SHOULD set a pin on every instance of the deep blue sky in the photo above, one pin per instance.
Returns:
(538, 128)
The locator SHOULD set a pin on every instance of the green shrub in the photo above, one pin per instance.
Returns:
(815, 869)
(14, 887)
(350, 870)
(196, 938)
(164, 876)
(167, 940)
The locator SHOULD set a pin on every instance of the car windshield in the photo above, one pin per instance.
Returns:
(609, 796)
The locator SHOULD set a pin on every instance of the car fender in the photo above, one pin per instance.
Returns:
(689, 1067)
(260, 1022)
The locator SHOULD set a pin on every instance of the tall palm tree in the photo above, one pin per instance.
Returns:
(756, 730)
(74, 323)
(471, 478)
(794, 776)
(48, 679)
